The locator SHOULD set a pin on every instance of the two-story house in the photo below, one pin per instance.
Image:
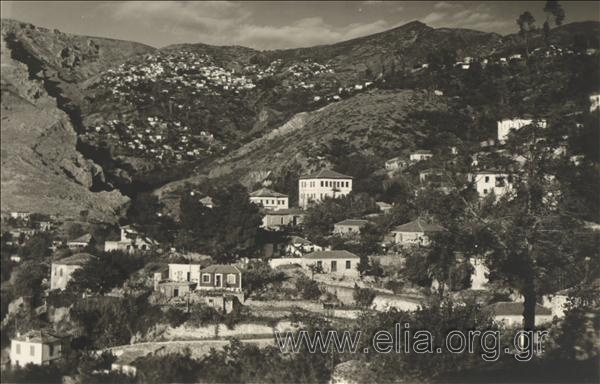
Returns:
(491, 181)
(269, 199)
(61, 270)
(34, 347)
(325, 183)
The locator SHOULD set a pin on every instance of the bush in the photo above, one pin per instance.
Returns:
(308, 289)
(363, 296)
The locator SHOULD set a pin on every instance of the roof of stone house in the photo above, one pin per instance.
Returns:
(383, 204)
(340, 254)
(353, 222)
(76, 259)
(326, 174)
(421, 152)
(418, 225)
(82, 239)
(266, 192)
(221, 268)
(37, 336)
(508, 308)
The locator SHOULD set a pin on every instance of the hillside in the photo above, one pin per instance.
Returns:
(144, 117)
(42, 171)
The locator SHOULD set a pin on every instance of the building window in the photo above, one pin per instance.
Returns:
(51, 350)
(60, 272)
(485, 191)
(231, 278)
(348, 264)
(333, 266)
(322, 183)
(18, 349)
(487, 179)
(32, 350)
(319, 264)
(206, 278)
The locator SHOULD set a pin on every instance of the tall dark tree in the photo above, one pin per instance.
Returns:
(526, 23)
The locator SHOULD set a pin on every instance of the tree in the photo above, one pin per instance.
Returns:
(308, 288)
(103, 273)
(227, 231)
(555, 11)
(527, 236)
(27, 279)
(258, 275)
(526, 23)
(145, 212)
(363, 296)
(169, 368)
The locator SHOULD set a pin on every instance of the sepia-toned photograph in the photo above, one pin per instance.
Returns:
(300, 192)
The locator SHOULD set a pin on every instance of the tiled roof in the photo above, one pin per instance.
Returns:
(352, 222)
(418, 226)
(266, 192)
(331, 255)
(326, 174)
(422, 152)
(76, 259)
(507, 308)
(220, 268)
(37, 336)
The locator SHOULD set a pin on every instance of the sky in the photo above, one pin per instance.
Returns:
(274, 25)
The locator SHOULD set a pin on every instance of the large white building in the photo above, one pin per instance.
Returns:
(594, 102)
(325, 183)
(269, 199)
(490, 181)
(62, 269)
(507, 125)
(34, 347)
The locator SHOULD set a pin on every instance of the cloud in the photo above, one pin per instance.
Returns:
(227, 23)
(452, 15)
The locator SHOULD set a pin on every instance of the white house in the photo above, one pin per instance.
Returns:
(506, 125)
(34, 347)
(415, 232)
(489, 181)
(594, 102)
(325, 183)
(269, 199)
(338, 263)
(61, 270)
(279, 219)
(130, 241)
(420, 155)
(349, 227)
(511, 314)
(184, 272)
(395, 164)
(384, 207)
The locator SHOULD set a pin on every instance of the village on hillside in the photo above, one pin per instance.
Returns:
(472, 210)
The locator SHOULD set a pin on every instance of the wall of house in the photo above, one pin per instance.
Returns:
(40, 356)
(274, 203)
(211, 282)
(179, 272)
(385, 302)
(346, 229)
(60, 275)
(517, 320)
(505, 126)
(411, 238)
(314, 190)
(341, 268)
(479, 278)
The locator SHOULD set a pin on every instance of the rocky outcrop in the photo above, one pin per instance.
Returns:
(42, 171)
